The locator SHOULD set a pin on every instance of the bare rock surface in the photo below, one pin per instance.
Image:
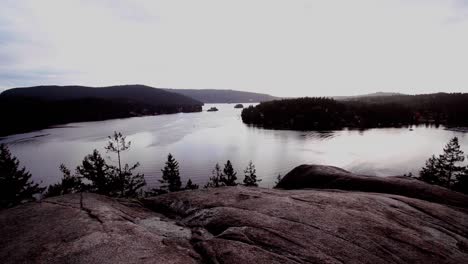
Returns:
(329, 177)
(236, 225)
(255, 225)
(89, 228)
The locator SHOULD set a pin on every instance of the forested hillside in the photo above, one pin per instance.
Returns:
(26, 109)
(378, 111)
(140, 93)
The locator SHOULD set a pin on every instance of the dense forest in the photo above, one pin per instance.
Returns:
(366, 112)
(26, 109)
(363, 96)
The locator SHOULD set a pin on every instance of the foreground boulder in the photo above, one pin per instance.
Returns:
(236, 225)
(329, 177)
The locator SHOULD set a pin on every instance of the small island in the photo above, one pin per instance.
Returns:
(212, 109)
(239, 106)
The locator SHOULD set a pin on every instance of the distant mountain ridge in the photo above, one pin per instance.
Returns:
(140, 93)
(223, 96)
(31, 108)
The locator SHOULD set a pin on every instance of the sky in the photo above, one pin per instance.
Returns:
(280, 47)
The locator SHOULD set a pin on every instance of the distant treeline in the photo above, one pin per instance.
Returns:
(19, 115)
(379, 111)
(27, 109)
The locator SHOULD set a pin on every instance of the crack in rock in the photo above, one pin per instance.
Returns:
(89, 211)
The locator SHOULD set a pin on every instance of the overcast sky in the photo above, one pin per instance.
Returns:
(281, 47)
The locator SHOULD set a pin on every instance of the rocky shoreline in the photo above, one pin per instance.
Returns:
(239, 225)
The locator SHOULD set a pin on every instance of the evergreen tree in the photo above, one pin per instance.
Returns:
(448, 162)
(128, 183)
(230, 175)
(117, 143)
(444, 170)
(250, 178)
(217, 179)
(431, 173)
(190, 185)
(69, 184)
(16, 186)
(461, 183)
(171, 176)
(100, 175)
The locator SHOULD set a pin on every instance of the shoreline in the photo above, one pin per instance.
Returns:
(457, 129)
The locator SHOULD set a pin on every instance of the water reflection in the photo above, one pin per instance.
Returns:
(200, 140)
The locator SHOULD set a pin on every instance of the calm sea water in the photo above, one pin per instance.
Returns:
(200, 140)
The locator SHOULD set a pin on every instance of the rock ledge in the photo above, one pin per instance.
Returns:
(236, 225)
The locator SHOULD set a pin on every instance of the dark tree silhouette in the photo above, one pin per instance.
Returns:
(230, 175)
(190, 185)
(128, 183)
(16, 185)
(117, 143)
(431, 173)
(101, 176)
(461, 183)
(449, 160)
(131, 183)
(69, 184)
(217, 179)
(445, 169)
(250, 177)
(171, 176)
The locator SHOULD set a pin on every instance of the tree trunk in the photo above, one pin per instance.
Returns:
(120, 175)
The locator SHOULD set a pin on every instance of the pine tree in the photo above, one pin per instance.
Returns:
(69, 184)
(128, 183)
(100, 175)
(431, 173)
(171, 176)
(132, 183)
(217, 179)
(117, 143)
(16, 186)
(444, 170)
(250, 178)
(230, 174)
(448, 162)
(461, 183)
(190, 185)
